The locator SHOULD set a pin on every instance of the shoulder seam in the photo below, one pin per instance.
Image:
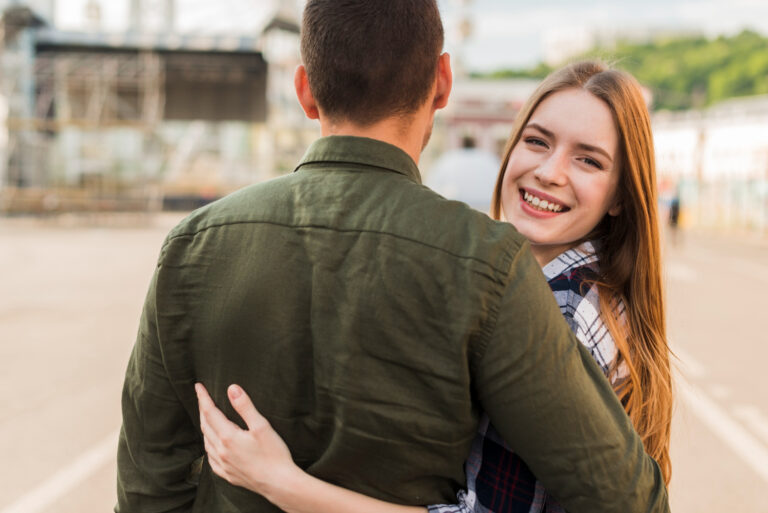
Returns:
(490, 326)
(504, 262)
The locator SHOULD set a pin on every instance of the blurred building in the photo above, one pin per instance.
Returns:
(43, 8)
(484, 110)
(716, 160)
(149, 113)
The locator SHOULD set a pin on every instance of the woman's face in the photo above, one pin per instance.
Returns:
(562, 175)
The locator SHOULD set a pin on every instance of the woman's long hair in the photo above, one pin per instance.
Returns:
(628, 249)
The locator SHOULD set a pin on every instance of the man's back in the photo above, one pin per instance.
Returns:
(348, 300)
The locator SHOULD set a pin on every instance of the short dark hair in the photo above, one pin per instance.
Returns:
(367, 60)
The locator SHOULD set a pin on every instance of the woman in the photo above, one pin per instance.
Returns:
(578, 181)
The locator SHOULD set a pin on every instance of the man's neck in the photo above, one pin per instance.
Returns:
(406, 134)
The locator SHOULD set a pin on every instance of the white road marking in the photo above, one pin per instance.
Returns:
(730, 432)
(754, 419)
(47, 493)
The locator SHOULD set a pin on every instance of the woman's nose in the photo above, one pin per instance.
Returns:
(554, 170)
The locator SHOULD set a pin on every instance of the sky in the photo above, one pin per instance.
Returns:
(513, 33)
(506, 33)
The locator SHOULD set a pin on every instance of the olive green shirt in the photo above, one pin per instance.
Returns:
(370, 320)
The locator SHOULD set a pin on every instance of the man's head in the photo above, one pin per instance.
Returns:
(368, 60)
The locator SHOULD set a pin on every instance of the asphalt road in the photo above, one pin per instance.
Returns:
(71, 294)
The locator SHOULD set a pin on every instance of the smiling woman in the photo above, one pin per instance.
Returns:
(583, 141)
(561, 178)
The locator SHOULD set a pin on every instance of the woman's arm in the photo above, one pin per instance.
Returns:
(259, 460)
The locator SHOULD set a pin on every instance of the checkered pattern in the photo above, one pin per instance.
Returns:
(497, 479)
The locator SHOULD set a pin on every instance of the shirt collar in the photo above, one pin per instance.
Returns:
(362, 151)
(579, 256)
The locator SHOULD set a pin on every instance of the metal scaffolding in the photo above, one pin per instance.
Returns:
(71, 96)
(121, 116)
(95, 90)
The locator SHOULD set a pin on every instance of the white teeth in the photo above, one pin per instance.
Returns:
(540, 203)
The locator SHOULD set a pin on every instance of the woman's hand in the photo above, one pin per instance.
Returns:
(256, 458)
(259, 460)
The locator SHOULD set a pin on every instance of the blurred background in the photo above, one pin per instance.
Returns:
(118, 117)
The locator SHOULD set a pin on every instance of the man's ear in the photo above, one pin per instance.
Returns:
(304, 94)
(444, 81)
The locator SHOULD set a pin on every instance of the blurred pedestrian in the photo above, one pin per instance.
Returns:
(465, 174)
(674, 217)
(578, 181)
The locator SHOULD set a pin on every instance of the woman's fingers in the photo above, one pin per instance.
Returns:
(252, 458)
(244, 406)
(247, 458)
(218, 467)
(214, 452)
(204, 404)
(216, 419)
(213, 422)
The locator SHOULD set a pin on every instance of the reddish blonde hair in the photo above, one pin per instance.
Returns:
(628, 249)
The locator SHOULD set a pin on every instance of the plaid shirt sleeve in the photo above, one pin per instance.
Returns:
(497, 479)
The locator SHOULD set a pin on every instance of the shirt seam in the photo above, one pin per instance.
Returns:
(504, 265)
(489, 329)
(323, 166)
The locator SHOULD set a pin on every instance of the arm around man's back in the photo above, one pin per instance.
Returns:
(549, 400)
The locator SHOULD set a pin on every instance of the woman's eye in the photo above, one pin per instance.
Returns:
(593, 163)
(536, 142)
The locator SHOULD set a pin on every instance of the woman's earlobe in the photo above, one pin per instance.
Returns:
(614, 210)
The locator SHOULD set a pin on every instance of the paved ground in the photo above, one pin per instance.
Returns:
(717, 326)
(69, 306)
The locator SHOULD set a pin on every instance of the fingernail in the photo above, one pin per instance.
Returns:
(235, 391)
(197, 388)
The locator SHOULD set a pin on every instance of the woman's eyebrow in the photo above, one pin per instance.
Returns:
(541, 129)
(596, 149)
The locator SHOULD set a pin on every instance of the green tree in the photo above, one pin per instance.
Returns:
(687, 71)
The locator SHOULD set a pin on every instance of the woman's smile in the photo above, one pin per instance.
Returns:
(536, 203)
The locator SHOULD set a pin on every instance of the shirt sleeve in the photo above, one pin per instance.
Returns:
(551, 402)
(159, 445)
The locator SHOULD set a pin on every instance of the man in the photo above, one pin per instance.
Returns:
(368, 318)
